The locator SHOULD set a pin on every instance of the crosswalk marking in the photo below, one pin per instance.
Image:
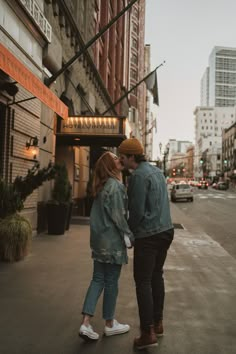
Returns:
(215, 196)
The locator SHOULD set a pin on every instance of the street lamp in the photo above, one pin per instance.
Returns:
(165, 154)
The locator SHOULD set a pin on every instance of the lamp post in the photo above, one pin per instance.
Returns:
(165, 156)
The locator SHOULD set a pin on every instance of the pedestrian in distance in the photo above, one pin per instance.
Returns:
(150, 222)
(110, 237)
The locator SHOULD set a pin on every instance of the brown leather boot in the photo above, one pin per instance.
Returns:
(147, 339)
(158, 328)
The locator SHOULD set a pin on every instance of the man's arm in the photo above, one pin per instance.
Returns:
(137, 199)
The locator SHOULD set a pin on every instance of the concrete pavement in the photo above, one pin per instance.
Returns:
(41, 297)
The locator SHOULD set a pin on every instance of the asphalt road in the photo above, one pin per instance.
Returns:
(214, 212)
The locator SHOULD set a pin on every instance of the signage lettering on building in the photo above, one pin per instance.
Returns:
(91, 125)
(17, 71)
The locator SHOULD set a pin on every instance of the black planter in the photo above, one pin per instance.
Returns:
(68, 216)
(57, 218)
(42, 217)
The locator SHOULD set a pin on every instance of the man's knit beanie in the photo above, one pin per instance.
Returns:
(131, 146)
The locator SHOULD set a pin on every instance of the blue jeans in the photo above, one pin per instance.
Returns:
(149, 258)
(105, 277)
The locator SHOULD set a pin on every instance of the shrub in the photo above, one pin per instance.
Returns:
(13, 195)
(15, 237)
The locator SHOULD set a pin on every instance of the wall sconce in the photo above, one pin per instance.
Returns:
(32, 142)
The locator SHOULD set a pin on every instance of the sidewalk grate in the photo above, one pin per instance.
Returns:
(178, 226)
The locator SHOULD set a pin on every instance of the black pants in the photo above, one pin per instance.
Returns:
(149, 258)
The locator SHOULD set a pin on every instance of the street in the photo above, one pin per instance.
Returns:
(214, 211)
(41, 297)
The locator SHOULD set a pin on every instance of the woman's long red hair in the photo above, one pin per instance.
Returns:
(105, 168)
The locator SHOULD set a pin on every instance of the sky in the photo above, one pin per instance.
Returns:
(183, 33)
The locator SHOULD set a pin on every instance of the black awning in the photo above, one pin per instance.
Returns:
(89, 140)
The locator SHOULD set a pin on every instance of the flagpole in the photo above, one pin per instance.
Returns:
(132, 88)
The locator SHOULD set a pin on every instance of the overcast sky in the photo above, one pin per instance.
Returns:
(183, 33)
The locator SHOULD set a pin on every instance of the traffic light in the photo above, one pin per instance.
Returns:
(173, 172)
(225, 161)
(201, 161)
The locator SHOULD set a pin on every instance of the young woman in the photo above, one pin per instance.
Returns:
(109, 238)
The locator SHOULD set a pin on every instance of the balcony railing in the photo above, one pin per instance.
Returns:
(38, 17)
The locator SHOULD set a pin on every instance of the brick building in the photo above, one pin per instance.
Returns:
(38, 38)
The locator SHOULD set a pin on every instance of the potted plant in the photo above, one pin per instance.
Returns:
(15, 229)
(58, 207)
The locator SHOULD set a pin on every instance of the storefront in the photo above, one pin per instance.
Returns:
(28, 110)
(85, 138)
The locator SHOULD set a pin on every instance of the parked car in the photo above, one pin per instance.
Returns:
(222, 186)
(181, 191)
(203, 185)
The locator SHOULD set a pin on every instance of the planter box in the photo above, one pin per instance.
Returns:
(57, 218)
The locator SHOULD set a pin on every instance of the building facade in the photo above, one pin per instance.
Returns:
(218, 85)
(137, 98)
(229, 154)
(38, 38)
(209, 123)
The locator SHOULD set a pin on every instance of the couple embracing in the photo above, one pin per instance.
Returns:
(148, 229)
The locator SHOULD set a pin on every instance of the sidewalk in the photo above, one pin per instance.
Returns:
(41, 297)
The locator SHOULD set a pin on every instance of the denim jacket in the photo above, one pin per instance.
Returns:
(108, 224)
(149, 209)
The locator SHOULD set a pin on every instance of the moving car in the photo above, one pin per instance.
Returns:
(181, 191)
(222, 186)
(203, 185)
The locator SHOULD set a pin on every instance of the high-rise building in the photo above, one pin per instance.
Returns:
(218, 84)
(209, 123)
(205, 88)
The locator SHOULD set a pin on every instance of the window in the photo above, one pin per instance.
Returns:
(134, 43)
(135, 27)
(134, 74)
(134, 58)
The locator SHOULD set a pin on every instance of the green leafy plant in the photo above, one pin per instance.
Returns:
(62, 191)
(15, 229)
(13, 195)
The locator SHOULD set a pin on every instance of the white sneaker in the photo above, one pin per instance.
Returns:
(117, 328)
(87, 333)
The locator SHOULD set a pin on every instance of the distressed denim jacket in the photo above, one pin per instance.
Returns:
(149, 209)
(108, 224)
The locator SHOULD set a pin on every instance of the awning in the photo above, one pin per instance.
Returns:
(91, 130)
(16, 70)
(90, 140)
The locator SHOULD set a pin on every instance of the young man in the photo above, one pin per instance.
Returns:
(150, 222)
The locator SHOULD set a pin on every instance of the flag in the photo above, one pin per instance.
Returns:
(154, 124)
(151, 84)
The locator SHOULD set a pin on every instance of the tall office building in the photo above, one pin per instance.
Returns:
(218, 84)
